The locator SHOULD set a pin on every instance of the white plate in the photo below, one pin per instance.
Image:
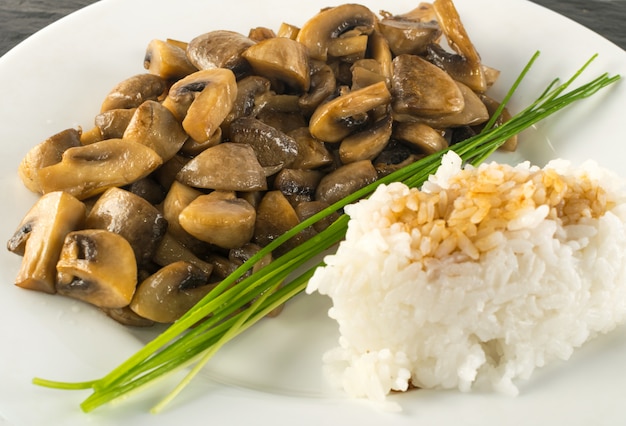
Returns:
(56, 80)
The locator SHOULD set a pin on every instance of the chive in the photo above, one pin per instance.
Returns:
(240, 301)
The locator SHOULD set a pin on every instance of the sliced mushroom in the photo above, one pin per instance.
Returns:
(395, 156)
(169, 293)
(282, 61)
(261, 33)
(45, 154)
(249, 90)
(350, 46)
(420, 136)
(297, 181)
(271, 146)
(366, 72)
(345, 181)
(312, 153)
(132, 217)
(171, 250)
(288, 31)
(167, 60)
(219, 49)
(39, 238)
(322, 86)
(148, 189)
(281, 120)
(228, 166)
(178, 197)
(166, 174)
(134, 91)
(327, 25)
(211, 105)
(421, 89)
(155, 126)
(112, 123)
(368, 143)
(193, 147)
(182, 93)
(381, 53)
(332, 121)
(275, 216)
(474, 112)
(226, 222)
(412, 32)
(97, 267)
(467, 67)
(89, 170)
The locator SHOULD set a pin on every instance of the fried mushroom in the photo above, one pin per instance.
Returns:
(97, 267)
(39, 239)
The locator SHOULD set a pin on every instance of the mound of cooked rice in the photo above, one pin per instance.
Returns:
(480, 277)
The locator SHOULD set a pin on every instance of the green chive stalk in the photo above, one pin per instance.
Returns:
(240, 301)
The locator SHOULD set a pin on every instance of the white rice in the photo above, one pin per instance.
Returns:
(479, 278)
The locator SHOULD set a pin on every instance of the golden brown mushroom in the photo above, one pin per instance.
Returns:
(88, 170)
(332, 121)
(368, 143)
(40, 236)
(219, 49)
(420, 136)
(170, 292)
(134, 91)
(282, 61)
(132, 217)
(97, 267)
(329, 24)
(466, 66)
(155, 126)
(411, 32)
(202, 100)
(167, 60)
(228, 166)
(219, 218)
(45, 154)
(345, 180)
(420, 89)
(271, 146)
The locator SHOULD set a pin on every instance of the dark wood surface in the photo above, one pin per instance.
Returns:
(21, 18)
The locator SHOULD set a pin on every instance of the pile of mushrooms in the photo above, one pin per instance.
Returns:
(230, 140)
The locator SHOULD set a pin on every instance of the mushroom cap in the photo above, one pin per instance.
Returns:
(327, 25)
(132, 217)
(281, 60)
(219, 49)
(211, 106)
(228, 166)
(170, 292)
(271, 146)
(345, 180)
(155, 126)
(89, 170)
(331, 121)
(97, 267)
(167, 60)
(45, 154)
(226, 222)
(422, 89)
(134, 91)
(39, 238)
